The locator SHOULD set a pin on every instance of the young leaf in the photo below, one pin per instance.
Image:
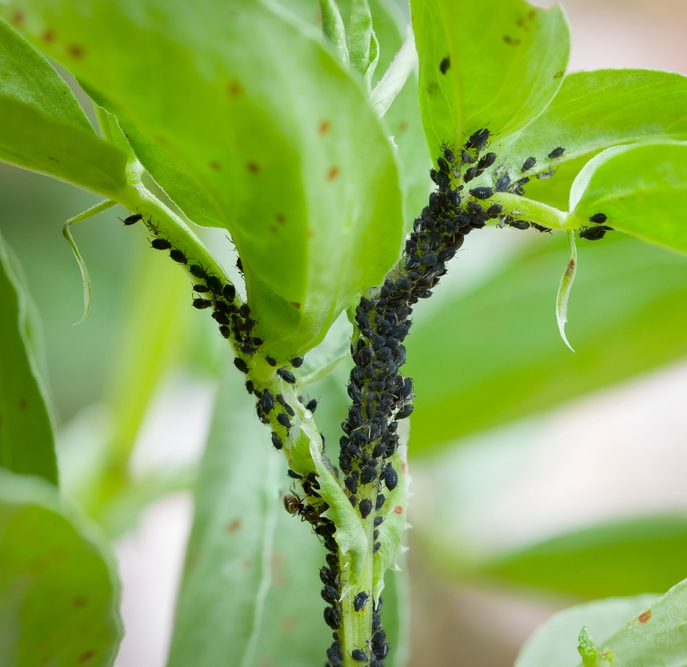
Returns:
(555, 642)
(362, 41)
(494, 64)
(614, 558)
(642, 191)
(630, 305)
(58, 585)
(27, 443)
(333, 28)
(593, 111)
(394, 79)
(269, 126)
(564, 288)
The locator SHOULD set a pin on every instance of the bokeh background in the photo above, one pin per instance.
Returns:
(616, 452)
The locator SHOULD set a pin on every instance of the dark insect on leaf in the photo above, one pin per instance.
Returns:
(529, 163)
(311, 405)
(593, 233)
(358, 654)
(486, 161)
(365, 507)
(241, 364)
(277, 441)
(598, 218)
(478, 139)
(482, 192)
(502, 183)
(178, 256)
(360, 600)
(380, 501)
(160, 244)
(132, 219)
(444, 65)
(201, 304)
(556, 152)
(470, 174)
(287, 376)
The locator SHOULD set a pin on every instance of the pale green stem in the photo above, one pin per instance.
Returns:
(531, 210)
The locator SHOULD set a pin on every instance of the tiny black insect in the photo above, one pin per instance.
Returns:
(594, 233)
(178, 256)
(453, 197)
(311, 405)
(160, 244)
(198, 271)
(239, 265)
(367, 475)
(332, 617)
(380, 501)
(444, 65)
(293, 474)
(229, 292)
(478, 139)
(241, 364)
(201, 289)
(519, 224)
(330, 594)
(529, 163)
(486, 161)
(297, 362)
(200, 304)
(224, 331)
(470, 174)
(541, 228)
(379, 520)
(277, 441)
(267, 401)
(360, 600)
(365, 508)
(132, 219)
(448, 154)
(270, 360)
(503, 183)
(482, 192)
(430, 259)
(215, 284)
(557, 152)
(494, 210)
(284, 420)
(390, 478)
(358, 654)
(287, 376)
(354, 393)
(598, 218)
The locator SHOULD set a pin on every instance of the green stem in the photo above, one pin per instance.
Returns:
(532, 211)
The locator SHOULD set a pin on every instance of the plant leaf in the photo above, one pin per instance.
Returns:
(271, 129)
(333, 28)
(27, 443)
(498, 339)
(58, 585)
(494, 64)
(614, 558)
(593, 111)
(641, 189)
(554, 642)
(241, 563)
(395, 77)
(564, 288)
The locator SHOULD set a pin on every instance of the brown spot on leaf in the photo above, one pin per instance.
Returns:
(558, 74)
(79, 602)
(404, 467)
(280, 218)
(48, 36)
(398, 509)
(332, 173)
(273, 229)
(253, 167)
(513, 41)
(295, 304)
(75, 50)
(22, 404)
(233, 526)
(645, 616)
(403, 126)
(571, 265)
(54, 159)
(215, 165)
(289, 625)
(85, 657)
(324, 127)
(311, 233)
(234, 88)
(18, 18)
(245, 563)
(432, 88)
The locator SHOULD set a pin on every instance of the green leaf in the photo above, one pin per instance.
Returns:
(641, 189)
(27, 444)
(499, 338)
(333, 28)
(494, 64)
(396, 617)
(271, 129)
(362, 41)
(395, 77)
(42, 126)
(554, 642)
(593, 111)
(247, 559)
(58, 587)
(615, 558)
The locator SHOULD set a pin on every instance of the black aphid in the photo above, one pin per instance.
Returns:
(444, 65)
(502, 183)
(277, 441)
(365, 508)
(201, 304)
(390, 478)
(160, 244)
(360, 600)
(266, 401)
(241, 364)
(358, 654)
(598, 218)
(528, 163)
(287, 376)
(478, 139)
(311, 405)
(132, 219)
(297, 362)
(178, 256)
(482, 192)
(556, 152)
(284, 420)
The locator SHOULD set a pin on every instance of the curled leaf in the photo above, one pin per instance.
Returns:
(395, 77)
(564, 288)
(333, 28)
(86, 278)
